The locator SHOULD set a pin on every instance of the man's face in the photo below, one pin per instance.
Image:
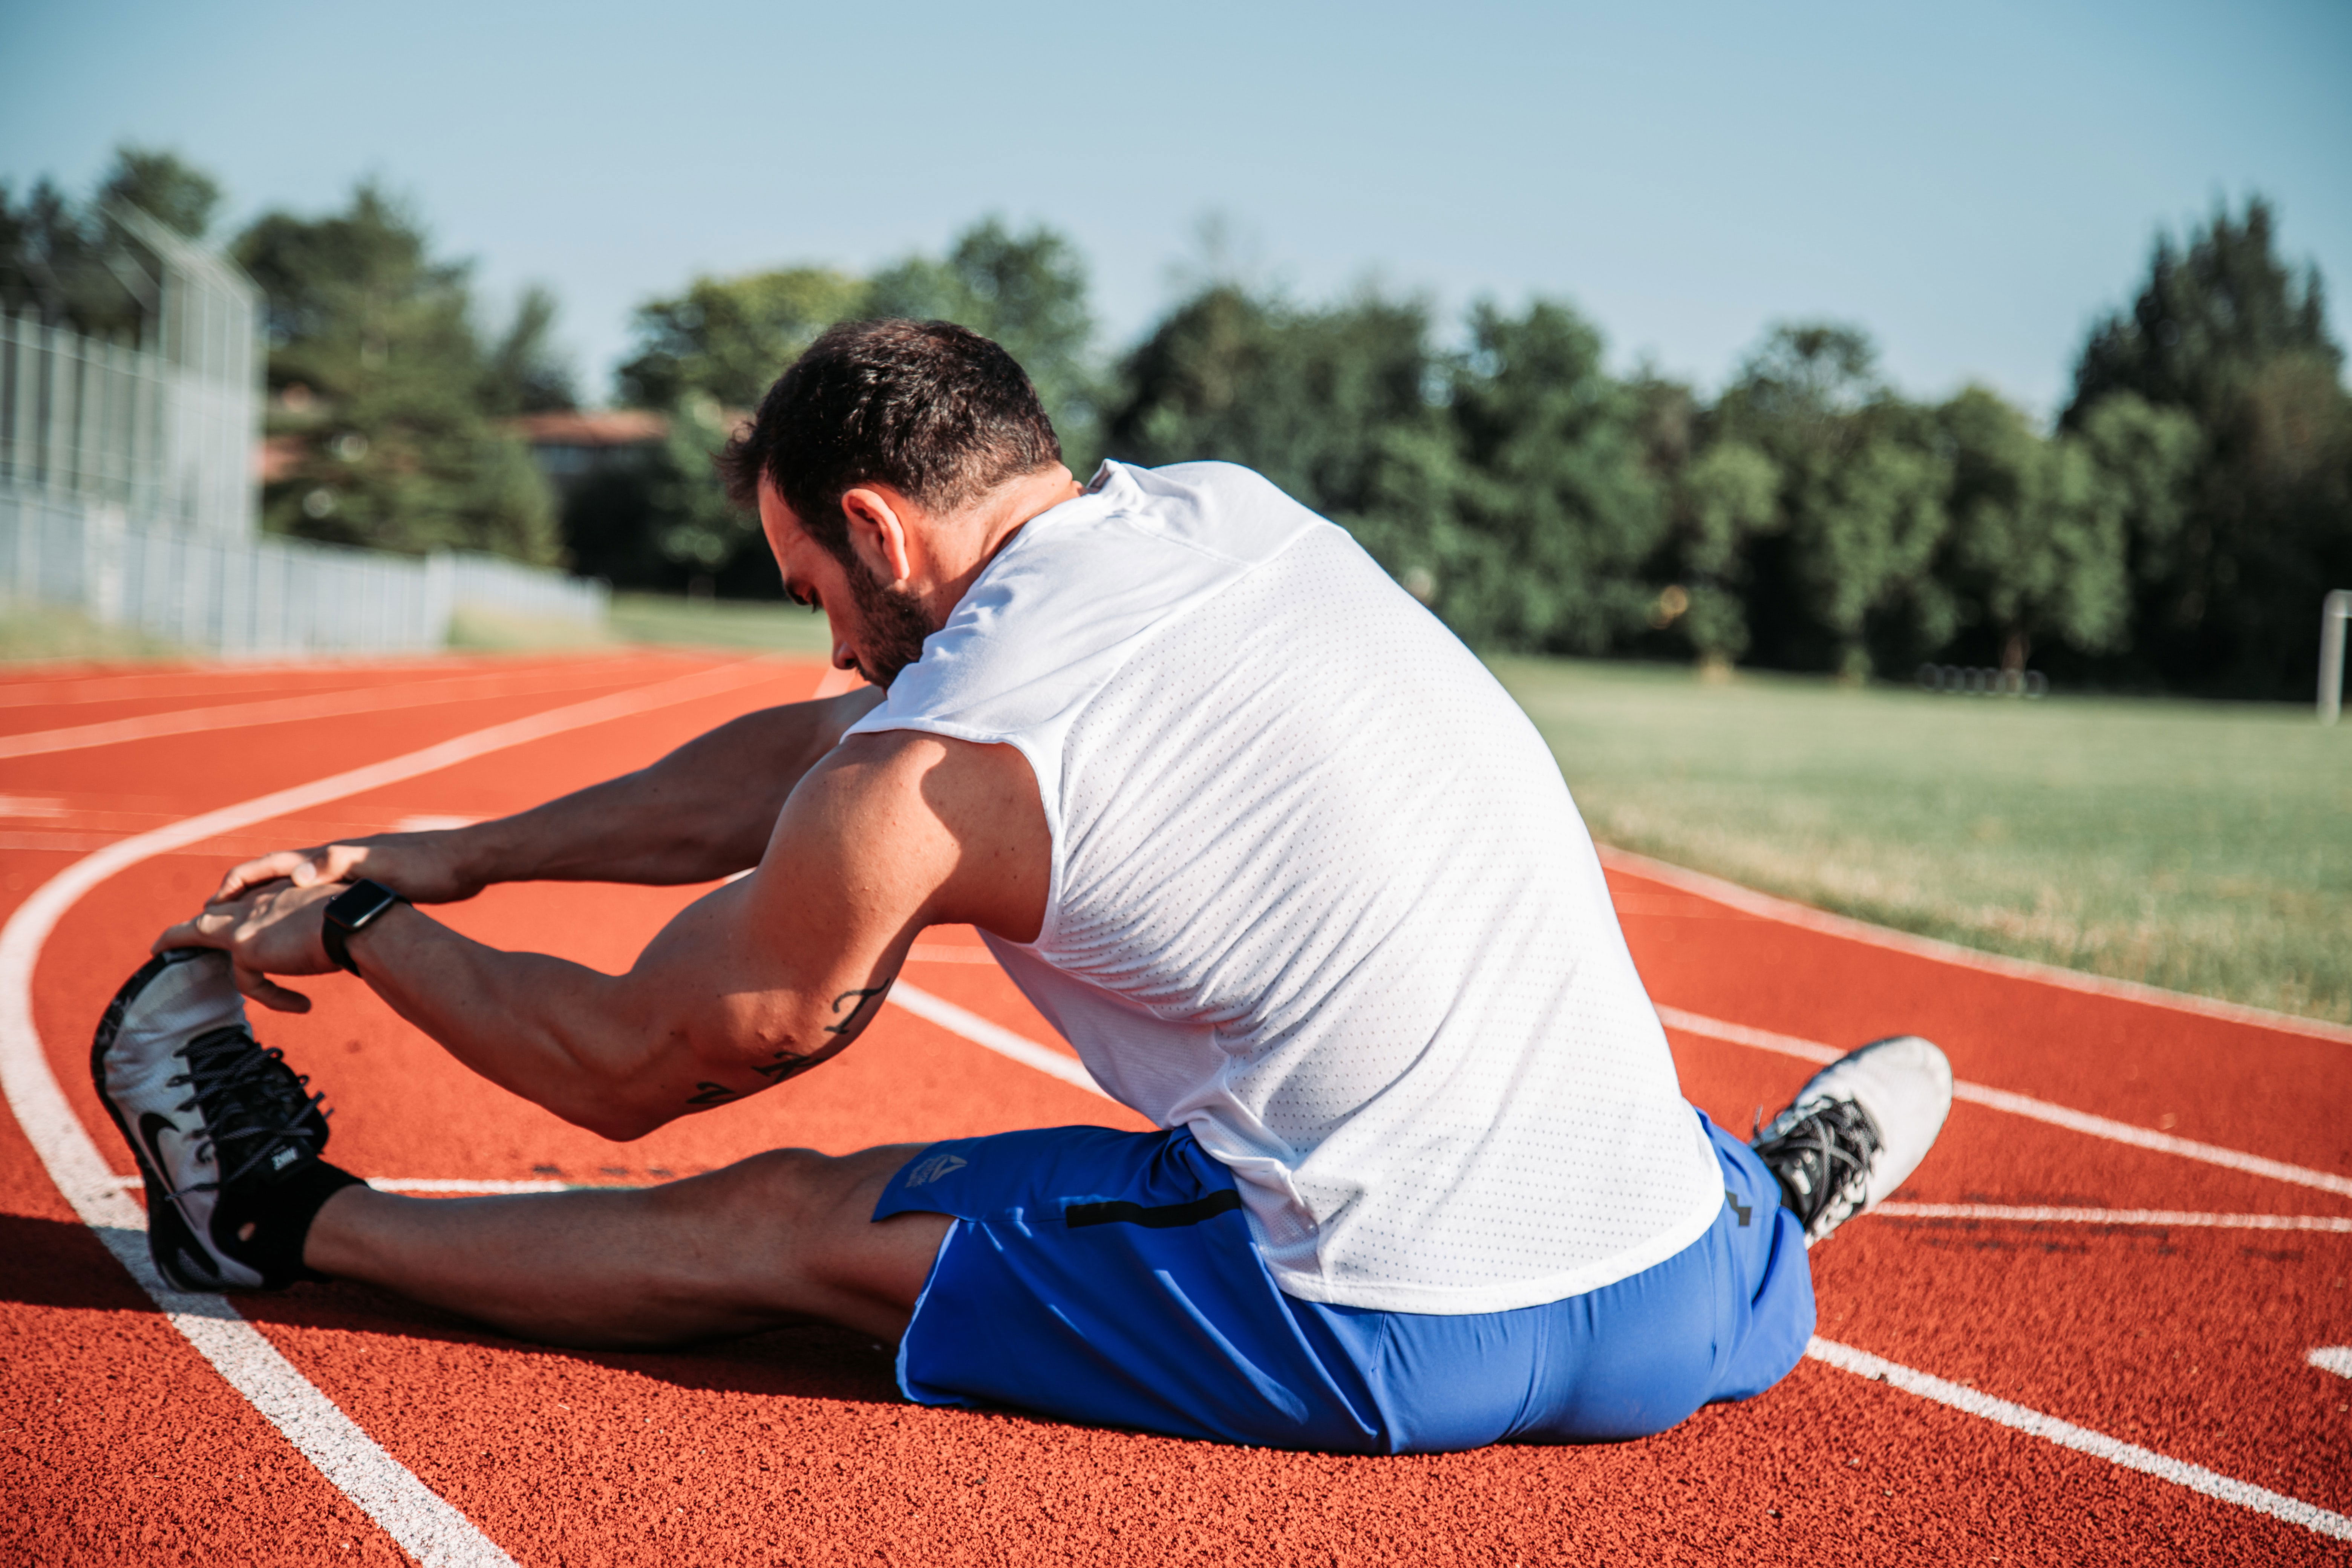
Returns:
(877, 630)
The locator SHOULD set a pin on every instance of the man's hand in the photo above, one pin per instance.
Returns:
(423, 867)
(273, 930)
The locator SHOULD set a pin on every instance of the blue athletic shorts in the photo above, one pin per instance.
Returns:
(1110, 1278)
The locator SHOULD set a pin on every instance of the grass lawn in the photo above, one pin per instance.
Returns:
(32, 632)
(2204, 847)
(719, 623)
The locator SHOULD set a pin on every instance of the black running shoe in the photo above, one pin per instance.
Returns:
(1859, 1128)
(226, 1137)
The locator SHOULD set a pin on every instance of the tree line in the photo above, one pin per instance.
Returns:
(2174, 530)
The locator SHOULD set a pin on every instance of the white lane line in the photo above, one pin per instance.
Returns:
(2336, 1359)
(939, 953)
(835, 682)
(290, 709)
(213, 679)
(2030, 1216)
(2025, 1105)
(464, 1186)
(996, 1037)
(424, 1525)
(1764, 906)
(2067, 1435)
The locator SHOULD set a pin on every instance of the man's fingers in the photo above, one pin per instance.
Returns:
(335, 863)
(241, 879)
(207, 930)
(269, 993)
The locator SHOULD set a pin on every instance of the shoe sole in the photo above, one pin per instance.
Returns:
(168, 1231)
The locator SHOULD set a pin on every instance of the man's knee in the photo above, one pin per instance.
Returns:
(782, 1189)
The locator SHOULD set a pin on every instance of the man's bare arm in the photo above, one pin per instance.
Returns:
(702, 812)
(753, 984)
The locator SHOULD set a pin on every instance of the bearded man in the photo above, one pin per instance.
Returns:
(1259, 837)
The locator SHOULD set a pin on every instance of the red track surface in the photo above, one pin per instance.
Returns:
(118, 1442)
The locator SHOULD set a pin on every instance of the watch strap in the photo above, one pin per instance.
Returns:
(350, 912)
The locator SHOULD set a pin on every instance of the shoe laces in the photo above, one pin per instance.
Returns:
(252, 1104)
(1822, 1157)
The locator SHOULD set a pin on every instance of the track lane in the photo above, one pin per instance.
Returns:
(2224, 1081)
(423, 1523)
(840, 1512)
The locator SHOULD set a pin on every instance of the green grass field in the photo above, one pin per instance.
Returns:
(2205, 846)
(30, 632)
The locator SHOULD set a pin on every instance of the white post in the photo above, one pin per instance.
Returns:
(2333, 614)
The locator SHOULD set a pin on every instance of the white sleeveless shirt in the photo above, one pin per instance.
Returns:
(1320, 895)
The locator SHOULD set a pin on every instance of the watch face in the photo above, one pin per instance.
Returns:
(360, 904)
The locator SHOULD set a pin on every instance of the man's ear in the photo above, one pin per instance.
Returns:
(878, 519)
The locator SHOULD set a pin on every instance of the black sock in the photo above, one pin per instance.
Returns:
(264, 1228)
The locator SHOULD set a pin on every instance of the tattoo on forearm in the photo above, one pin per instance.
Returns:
(854, 1009)
(861, 1012)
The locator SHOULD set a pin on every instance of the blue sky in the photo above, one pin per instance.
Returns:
(1974, 185)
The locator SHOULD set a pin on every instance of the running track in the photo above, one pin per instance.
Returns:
(2099, 1332)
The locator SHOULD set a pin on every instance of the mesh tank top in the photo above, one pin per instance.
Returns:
(1320, 895)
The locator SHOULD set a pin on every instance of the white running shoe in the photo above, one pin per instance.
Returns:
(1857, 1130)
(226, 1139)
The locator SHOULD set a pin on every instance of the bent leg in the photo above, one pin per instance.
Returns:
(781, 1238)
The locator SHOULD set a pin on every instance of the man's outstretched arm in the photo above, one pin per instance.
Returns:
(702, 812)
(754, 983)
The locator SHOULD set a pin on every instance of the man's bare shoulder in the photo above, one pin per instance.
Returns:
(954, 824)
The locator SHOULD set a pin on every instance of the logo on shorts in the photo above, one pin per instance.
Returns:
(926, 1171)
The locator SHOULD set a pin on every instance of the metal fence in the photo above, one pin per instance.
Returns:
(127, 488)
(256, 597)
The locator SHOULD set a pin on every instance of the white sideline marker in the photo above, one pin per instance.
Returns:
(2025, 1105)
(2067, 1435)
(374, 699)
(2024, 1214)
(996, 1037)
(424, 1525)
(1787, 911)
(2336, 1359)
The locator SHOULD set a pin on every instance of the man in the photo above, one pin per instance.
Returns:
(1251, 828)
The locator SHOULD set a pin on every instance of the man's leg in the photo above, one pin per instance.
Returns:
(781, 1238)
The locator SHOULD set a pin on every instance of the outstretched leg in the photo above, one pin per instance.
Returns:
(781, 1238)
(229, 1144)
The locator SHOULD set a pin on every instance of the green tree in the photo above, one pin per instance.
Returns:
(380, 375)
(2224, 333)
(728, 339)
(1312, 399)
(175, 193)
(1846, 565)
(2038, 545)
(1541, 508)
(523, 372)
(1720, 501)
(1028, 292)
(60, 260)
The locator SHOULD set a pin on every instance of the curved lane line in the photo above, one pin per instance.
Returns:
(374, 699)
(424, 1525)
(2025, 1105)
(2082, 1439)
(1764, 906)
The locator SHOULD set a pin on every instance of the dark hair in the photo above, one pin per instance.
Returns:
(931, 409)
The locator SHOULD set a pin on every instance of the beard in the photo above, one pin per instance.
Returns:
(895, 625)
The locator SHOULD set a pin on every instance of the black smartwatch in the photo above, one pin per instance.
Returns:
(352, 912)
